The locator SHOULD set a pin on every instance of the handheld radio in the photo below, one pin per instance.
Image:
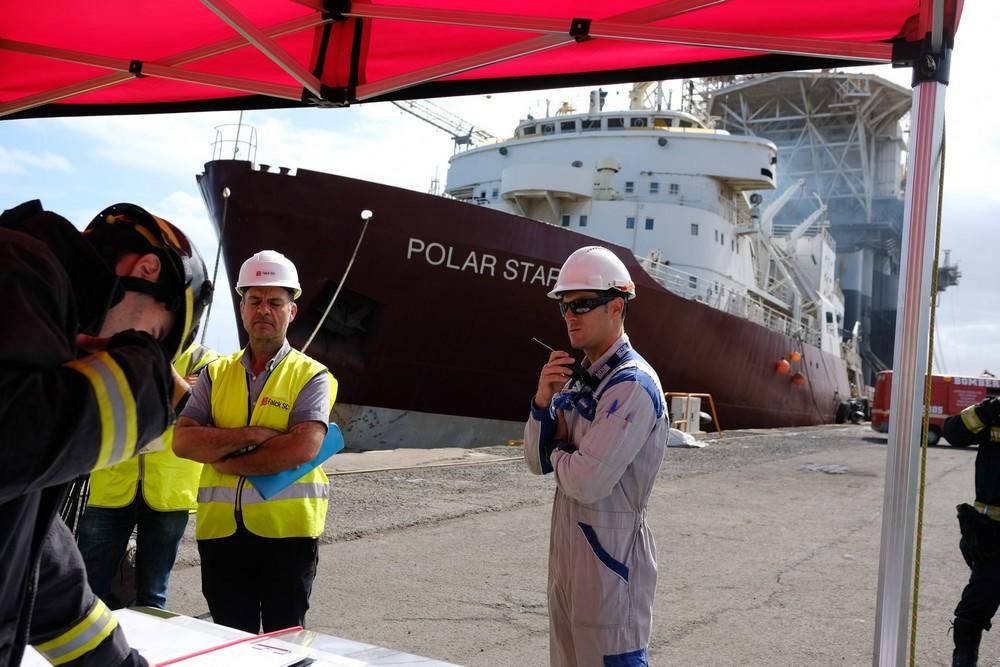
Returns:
(580, 373)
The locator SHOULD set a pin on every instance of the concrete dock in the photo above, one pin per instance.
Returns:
(768, 547)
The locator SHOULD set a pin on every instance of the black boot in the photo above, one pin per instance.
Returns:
(967, 636)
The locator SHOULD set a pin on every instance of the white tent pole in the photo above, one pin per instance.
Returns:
(892, 620)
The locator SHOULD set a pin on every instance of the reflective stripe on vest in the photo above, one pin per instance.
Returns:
(169, 483)
(82, 638)
(115, 404)
(299, 510)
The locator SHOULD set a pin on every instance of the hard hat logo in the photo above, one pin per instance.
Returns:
(593, 269)
(269, 268)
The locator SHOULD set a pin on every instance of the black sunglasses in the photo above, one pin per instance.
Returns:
(581, 306)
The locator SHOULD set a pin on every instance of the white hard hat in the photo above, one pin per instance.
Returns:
(593, 269)
(268, 268)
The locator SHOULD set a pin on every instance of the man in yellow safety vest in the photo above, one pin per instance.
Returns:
(152, 493)
(262, 410)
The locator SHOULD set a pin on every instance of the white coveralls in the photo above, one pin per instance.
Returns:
(602, 557)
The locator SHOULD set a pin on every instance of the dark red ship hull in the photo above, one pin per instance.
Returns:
(438, 311)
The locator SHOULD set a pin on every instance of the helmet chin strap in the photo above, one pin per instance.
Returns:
(158, 291)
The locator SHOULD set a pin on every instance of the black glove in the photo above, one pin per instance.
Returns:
(989, 411)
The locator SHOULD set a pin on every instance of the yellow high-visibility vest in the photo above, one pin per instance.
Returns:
(297, 511)
(169, 483)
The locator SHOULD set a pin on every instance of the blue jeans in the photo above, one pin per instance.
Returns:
(103, 539)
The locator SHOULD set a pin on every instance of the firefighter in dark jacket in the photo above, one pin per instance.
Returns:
(980, 526)
(90, 323)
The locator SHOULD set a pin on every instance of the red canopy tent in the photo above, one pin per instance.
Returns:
(142, 56)
(62, 58)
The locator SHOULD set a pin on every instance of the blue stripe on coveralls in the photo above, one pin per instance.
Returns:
(619, 568)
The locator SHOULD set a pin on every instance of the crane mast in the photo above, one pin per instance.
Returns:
(463, 133)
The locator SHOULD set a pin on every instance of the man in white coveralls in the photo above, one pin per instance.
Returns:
(603, 432)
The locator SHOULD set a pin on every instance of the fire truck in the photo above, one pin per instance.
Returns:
(950, 394)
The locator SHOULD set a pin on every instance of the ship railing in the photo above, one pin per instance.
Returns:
(685, 284)
(235, 141)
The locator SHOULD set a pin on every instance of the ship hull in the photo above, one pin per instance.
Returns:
(438, 311)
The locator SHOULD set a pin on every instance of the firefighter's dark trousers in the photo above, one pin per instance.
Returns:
(980, 545)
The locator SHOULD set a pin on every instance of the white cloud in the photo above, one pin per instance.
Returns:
(15, 160)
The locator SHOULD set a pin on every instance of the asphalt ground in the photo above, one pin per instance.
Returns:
(768, 550)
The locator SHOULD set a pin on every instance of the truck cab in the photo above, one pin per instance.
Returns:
(950, 394)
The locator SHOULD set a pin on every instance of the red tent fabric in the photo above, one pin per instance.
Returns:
(59, 57)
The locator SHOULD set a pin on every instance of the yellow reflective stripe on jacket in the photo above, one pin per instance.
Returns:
(169, 483)
(972, 420)
(83, 637)
(299, 510)
(116, 406)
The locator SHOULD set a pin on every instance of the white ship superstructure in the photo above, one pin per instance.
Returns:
(680, 196)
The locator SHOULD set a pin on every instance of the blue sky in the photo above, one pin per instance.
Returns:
(77, 166)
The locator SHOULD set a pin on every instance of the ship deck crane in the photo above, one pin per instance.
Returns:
(462, 132)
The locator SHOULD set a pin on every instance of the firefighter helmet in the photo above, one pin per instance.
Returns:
(183, 286)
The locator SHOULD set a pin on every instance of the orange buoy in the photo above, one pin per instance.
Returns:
(798, 378)
(795, 356)
(782, 367)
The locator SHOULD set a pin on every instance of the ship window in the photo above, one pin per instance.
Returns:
(813, 257)
(716, 234)
(722, 238)
(661, 122)
(829, 318)
(686, 123)
(732, 245)
(630, 222)
(482, 195)
(675, 188)
(654, 187)
(567, 126)
(629, 187)
(548, 128)
(565, 221)
(591, 124)
(616, 123)
(496, 192)
(693, 282)
(649, 223)
(694, 229)
(638, 122)
(583, 221)
(529, 130)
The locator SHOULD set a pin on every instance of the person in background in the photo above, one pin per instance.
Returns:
(91, 322)
(980, 528)
(602, 431)
(152, 493)
(262, 410)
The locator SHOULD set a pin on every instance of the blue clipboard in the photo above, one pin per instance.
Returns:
(271, 485)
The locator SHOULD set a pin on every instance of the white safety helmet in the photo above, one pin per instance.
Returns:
(593, 269)
(268, 268)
